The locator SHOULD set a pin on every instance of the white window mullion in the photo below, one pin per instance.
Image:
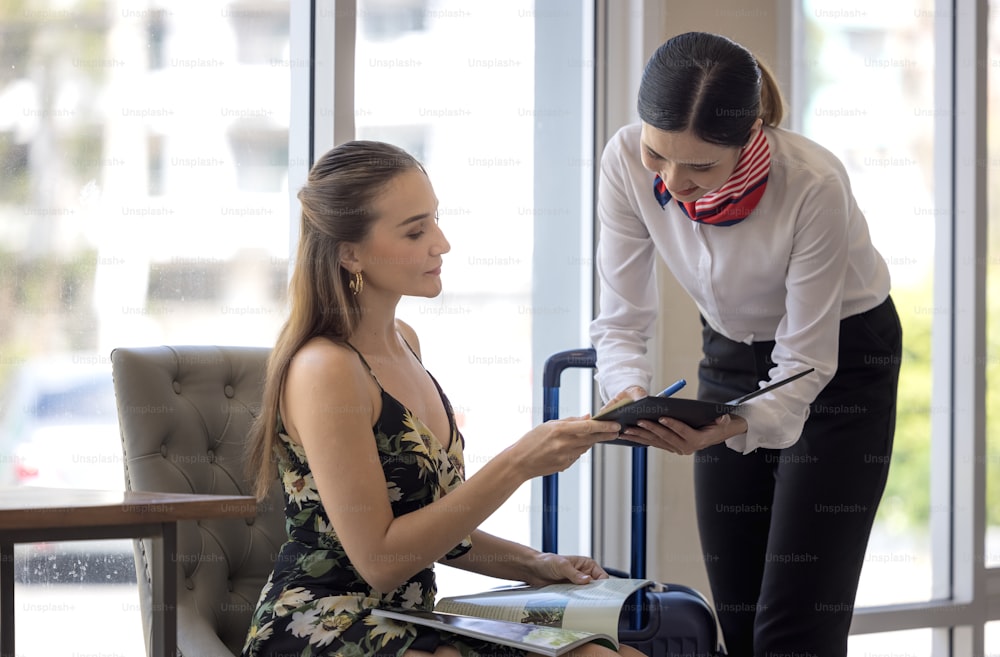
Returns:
(335, 26)
(300, 156)
(942, 332)
(321, 59)
(627, 35)
(969, 313)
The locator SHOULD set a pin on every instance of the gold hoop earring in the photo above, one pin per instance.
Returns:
(357, 283)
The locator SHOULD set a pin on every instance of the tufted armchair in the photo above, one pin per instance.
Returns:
(185, 413)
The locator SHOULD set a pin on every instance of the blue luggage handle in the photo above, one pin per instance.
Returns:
(551, 374)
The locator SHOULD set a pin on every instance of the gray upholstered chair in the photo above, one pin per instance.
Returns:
(184, 414)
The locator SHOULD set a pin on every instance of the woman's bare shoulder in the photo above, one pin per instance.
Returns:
(323, 360)
(325, 379)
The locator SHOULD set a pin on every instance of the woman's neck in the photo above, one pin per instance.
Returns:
(376, 333)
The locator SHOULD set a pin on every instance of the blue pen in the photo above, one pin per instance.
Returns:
(672, 388)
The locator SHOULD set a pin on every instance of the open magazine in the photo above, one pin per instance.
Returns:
(549, 620)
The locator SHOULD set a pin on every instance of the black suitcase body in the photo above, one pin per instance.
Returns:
(675, 622)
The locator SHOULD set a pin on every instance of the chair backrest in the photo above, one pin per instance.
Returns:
(185, 414)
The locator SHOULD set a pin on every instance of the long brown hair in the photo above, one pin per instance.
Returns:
(710, 84)
(336, 202)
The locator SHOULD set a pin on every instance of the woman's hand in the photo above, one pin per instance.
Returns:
(629, 394)
(548, 568)
(555, 445)
(679, 438)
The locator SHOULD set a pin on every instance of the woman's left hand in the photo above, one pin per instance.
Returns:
(548, 568)
(679, 438)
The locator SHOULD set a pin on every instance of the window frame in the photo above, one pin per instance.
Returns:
(965, 594)
(323, 110)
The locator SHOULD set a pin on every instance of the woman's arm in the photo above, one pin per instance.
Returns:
(330, 410)
(625, 264)
(497, 557)
(809, 333)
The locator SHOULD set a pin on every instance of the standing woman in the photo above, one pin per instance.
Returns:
(760, 227)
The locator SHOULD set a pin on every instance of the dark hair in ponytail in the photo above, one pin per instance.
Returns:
(711, 85)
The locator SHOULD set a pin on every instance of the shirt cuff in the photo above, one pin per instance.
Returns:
(623, 377)
(769, 425)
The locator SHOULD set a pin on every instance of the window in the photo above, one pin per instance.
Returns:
(932, 87)
(144, 200)
(909, 643)
(992, 266)
(992, 638)
(494, 98)
(864, 70)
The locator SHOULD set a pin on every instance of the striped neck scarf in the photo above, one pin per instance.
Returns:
(737, 198)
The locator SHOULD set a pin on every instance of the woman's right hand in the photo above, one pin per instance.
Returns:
(555, 445)
(629, 394)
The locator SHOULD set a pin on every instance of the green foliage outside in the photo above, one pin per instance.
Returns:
(992, 357)
(906, 505)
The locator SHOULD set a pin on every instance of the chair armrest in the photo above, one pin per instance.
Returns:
(198, 638)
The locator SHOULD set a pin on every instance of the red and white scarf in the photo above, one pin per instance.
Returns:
(737, 198)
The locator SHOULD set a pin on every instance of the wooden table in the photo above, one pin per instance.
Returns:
(30, 515)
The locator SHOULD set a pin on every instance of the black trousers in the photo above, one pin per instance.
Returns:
(784, 532)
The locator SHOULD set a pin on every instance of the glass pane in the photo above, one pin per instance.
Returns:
(992, 355)
(868, 81)
(991, 642)
(457, 85)
(143, 201)
(911, 643)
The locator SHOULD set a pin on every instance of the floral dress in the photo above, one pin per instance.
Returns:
(315, 603)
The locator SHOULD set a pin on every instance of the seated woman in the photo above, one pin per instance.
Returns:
(365, 440)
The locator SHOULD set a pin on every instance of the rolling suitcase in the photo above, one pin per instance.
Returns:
(675, 622)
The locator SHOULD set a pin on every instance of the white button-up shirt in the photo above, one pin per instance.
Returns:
(801, 262)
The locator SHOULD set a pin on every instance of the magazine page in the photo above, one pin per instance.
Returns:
(543, 640)
(593, 607)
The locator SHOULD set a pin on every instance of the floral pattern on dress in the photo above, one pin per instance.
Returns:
(315, 603)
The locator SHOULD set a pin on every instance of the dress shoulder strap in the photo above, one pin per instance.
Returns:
(367, 366)
(410, 348)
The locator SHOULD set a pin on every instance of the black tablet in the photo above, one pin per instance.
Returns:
(689, 411)
(693, 412)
